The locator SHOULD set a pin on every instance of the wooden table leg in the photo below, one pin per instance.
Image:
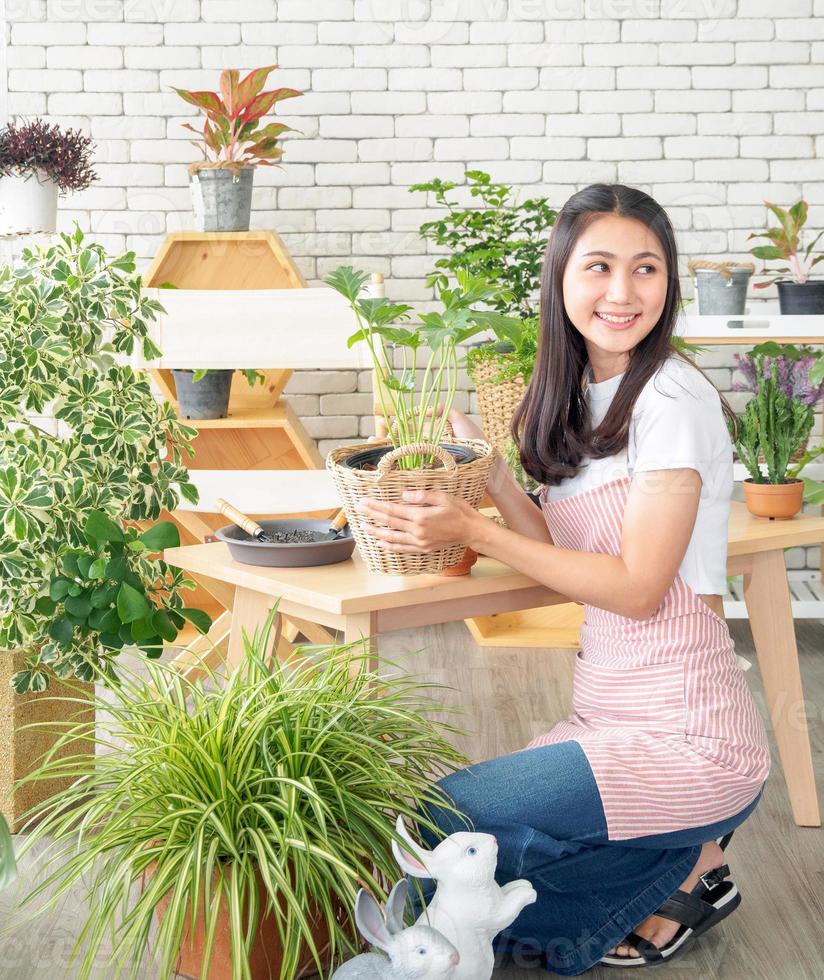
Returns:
(249, 614)
(363, 626)
(767, 595)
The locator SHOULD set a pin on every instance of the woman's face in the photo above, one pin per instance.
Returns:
(630, 281)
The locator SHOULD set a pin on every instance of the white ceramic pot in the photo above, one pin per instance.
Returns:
(28, 204)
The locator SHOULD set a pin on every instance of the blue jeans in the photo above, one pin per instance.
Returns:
(544, 807)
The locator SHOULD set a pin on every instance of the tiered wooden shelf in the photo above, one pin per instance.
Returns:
(239, 301)
(559, 626)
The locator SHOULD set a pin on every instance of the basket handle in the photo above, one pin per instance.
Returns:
(386, 462)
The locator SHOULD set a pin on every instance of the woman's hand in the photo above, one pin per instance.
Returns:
(424, 521)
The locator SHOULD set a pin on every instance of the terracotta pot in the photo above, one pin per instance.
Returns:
(468, 559)
(779, 501)
(266, 952)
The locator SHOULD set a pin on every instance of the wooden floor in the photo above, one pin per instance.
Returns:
(510, 695)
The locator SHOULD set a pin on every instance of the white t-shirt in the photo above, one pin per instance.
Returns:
(677, 421)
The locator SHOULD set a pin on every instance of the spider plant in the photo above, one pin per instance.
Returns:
(286, 774)
(8, 865)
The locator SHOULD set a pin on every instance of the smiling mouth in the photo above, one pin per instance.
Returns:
(617, 324)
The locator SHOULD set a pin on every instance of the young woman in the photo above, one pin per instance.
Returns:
(618, 812)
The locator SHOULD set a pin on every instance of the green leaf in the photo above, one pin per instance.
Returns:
(142, 629)
(61, 631)
(100, 528)
(131, 604)
(97, 569)
(79, 606)
(45, 605)
(163, 625)
(199, 619)
(59, 588)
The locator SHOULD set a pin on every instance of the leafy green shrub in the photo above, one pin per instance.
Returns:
(65, 311)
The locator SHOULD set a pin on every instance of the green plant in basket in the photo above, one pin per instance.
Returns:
(69, 315)
(440, 332)
(269, 795)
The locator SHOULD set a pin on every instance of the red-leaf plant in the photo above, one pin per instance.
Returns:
(230, 133)
(785, 245)
(62, 156)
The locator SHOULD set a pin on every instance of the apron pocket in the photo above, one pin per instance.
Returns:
(648, 698)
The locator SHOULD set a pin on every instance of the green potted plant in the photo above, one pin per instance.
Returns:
(793, 368)
(233, 143)
(798, 293)
(248, 809)
(776, 425)
(109, 457)
(38, 161)
(196, 400)
(416, 441)
(502, 240)
(208, 399)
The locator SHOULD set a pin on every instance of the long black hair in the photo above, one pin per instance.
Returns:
(552, 426)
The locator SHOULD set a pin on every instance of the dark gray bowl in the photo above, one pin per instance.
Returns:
(248, 551)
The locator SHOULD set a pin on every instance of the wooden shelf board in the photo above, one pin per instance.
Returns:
(224, 260)
(256, 417)
(549, 626)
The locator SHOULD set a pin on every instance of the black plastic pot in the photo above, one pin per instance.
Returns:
(372, 455)
(806, 298)
(204, 399)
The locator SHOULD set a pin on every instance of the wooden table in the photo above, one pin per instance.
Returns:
(362, 604)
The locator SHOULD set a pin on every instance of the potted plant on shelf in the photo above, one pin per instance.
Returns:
(196, 400)
(799, 293)
(233, 143)
(76, 584)
(792, 366)
(244, 809)
(416, 444)
(208, 399)
(777, 426)
(37, 162)
(721, 287)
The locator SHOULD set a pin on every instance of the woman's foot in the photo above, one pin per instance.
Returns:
(659, 930)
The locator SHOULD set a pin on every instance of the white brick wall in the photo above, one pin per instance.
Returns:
(711, 109)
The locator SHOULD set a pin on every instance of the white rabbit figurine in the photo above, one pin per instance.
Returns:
(468, 907)
(416, 953)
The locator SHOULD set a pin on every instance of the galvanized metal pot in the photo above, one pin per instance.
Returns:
(204, 399)
(222, 199)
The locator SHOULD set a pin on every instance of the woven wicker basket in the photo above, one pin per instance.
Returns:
(466, 481)
(497, 401)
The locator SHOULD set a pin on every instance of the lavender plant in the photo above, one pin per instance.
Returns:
(791, 366)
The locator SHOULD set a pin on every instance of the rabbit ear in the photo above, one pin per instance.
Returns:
(395, 905)
(370, 920)
(408, 859)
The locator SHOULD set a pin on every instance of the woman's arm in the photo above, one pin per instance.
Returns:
(516, 508)
(658, 521)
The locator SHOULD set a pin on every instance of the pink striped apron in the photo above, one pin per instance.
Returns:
(660, 706)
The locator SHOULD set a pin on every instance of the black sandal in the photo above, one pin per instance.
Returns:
(712, 900)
